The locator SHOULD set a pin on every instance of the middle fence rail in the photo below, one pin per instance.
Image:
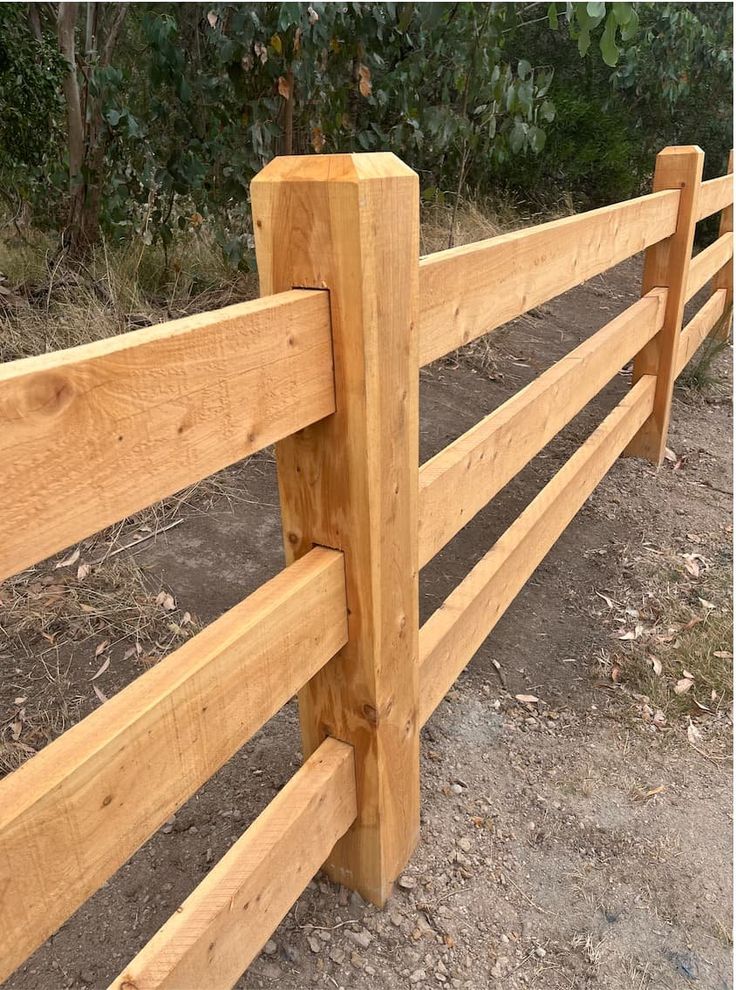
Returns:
(325, 365)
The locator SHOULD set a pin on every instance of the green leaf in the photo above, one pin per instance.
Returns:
(517, 137)
(584, 40)
(552, 16)
(113, 117)
(547, 111)
(631, 27)
(524, 69)
(609, 48)
(596, 10)
(623, 12)
(537, 139)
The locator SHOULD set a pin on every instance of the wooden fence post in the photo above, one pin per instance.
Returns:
(666, 265)
(350, 224)
(724, 278)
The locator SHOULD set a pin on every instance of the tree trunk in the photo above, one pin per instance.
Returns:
(66, 24)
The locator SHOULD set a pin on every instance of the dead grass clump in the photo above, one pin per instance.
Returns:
(699, 375)
(50, 303)
(676, 657)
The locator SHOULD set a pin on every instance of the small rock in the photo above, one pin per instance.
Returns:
(417, 976)
(540, 952)
(87, 976)
(314, 943)
(407, 883)
(456, 789)
(465, 844)
(293, 955)
(270, 947)
(337, 955)
(324, 935)
(361, 938)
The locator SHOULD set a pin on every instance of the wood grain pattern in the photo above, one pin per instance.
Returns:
(715, 195)
(667, 264)
(350, 223)
(92, 434)
(456, 483)
(468, 291)
(708, 263)
(75, 812)
(226, 921)
(448, 640)
(724, 278)
(699, 327)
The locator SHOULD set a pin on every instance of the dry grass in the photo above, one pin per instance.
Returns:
(55, 304)
(679, 668)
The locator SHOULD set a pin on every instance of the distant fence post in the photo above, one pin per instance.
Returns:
(724, 278)
(350, 224)
(666, 265)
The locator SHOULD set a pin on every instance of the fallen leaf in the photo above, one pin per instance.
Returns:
(20, 701)
(693, 562)
(693, 734)
(616, 674)
(670, 455)
(656, 665)
(699, 709)
(693, 622)
(83, 571)
(284, 87)
(683, 685)
(659, 719)
(653, 791)
(606, 599)
(71, 559)
(166, 601)
(706, 604)
(723, 655)
(102, 669)
(100, 694)
(686, 673)
(101, 647)
(527, 699)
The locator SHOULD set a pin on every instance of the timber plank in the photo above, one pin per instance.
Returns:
(456, 483)
(715, 195)
(699, 327)
(228, 918)
(75, 812)
(92, 434)
(708, 263)
(450, 637)
(468, 291)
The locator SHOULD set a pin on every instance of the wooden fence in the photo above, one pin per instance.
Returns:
(326, 366)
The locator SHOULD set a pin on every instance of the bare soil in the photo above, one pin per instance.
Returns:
(581, 841)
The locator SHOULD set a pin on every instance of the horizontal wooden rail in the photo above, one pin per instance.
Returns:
(72, 815)
(226, 921)
(92, 434)
(450, 637)
(456, 483)
(715, 194)
(705, 265)
(699, 327)
(470, 290)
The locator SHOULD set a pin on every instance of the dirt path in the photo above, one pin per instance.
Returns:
(584, 841)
